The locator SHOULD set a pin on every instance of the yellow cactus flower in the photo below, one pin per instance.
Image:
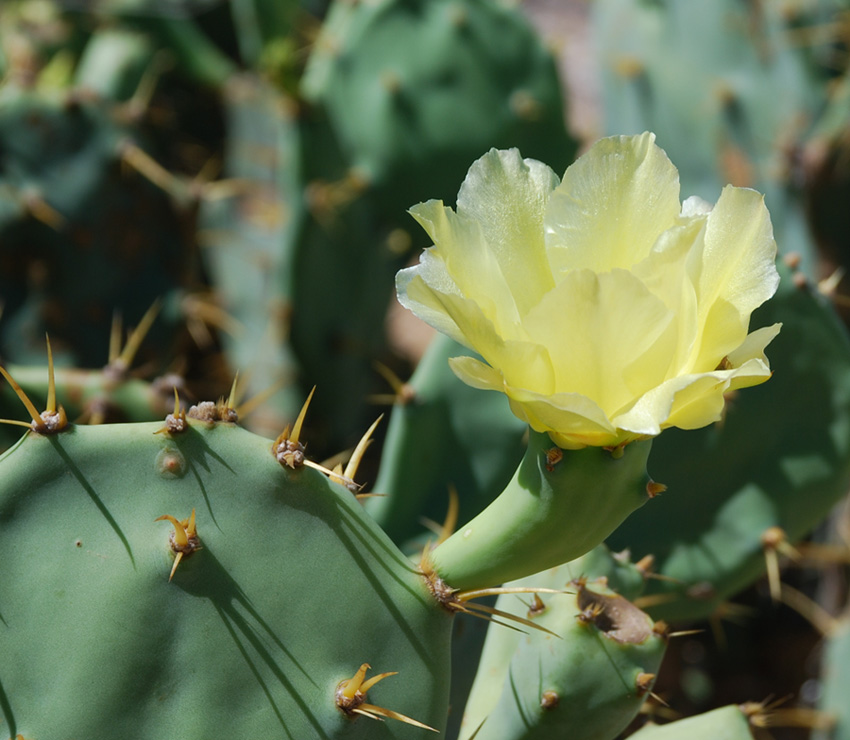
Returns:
(604, 308)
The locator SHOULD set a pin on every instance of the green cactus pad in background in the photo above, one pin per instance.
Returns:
(725, 723)
(417, 90)
(586, 683)
(85, 237)
(292, 589)
(247, 241)
(835, 693)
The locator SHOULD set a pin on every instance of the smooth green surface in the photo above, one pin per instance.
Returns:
(835, 696)
(725, 723)
(294, 589)
(544, 518)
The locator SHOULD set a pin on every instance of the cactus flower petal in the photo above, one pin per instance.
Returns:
(603, 307)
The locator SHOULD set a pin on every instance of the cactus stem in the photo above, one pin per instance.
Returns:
(350, 697)
(183, 540)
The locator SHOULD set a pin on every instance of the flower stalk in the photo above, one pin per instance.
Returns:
(546, 517)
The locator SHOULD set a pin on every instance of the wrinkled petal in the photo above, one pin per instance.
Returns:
(602, 308)
(690, 401)
(754, 345)
(571, 419)
(507, 196)
(461, 263)
(611, 206)
(522, 364)
(733, 273)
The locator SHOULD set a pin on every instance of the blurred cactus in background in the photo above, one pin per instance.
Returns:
(192, 190)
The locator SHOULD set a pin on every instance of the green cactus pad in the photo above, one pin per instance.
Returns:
(417, 89)
(588, 682)
(725, 723)
(835, 697)
(292, 590)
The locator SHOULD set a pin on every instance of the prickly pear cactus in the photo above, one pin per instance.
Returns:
(725, 723)
(282, 590)
(833, 701)
(587, 677)
(391, 74)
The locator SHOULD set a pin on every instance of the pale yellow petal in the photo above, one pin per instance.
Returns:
(477, 374)
(461, 263)
(733, 273)
(572, 420)
(521, 364)
(689, 401)
(664, 275)
(754, 345)
(702, 403)
(612, 205)
(507, 197)
(417, 296)
(606, 334)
